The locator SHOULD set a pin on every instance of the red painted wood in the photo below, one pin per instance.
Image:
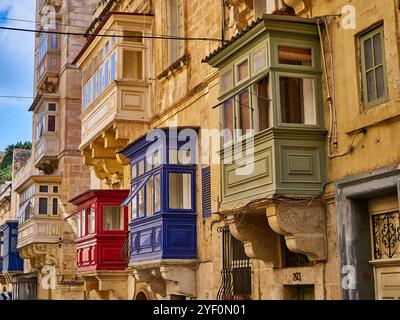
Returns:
(102, 249)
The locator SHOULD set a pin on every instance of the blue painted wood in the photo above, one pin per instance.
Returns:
(11, 259)
(170, 233)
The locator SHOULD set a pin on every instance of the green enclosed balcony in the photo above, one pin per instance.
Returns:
(271, 111)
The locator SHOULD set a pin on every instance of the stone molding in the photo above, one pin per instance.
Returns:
(168, 277)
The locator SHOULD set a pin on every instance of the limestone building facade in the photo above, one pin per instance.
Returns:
(278, 180)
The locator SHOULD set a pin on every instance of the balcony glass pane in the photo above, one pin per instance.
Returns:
(141, 203)
(113, 218)
(228, 118)
(242, 70)
(244, 112)
(78, 225)
(84, 233)
(227, 81)
(259, 60)
(106, 74)
(262, 106)
(132, 65)
(149, 197)
(91, 220)
(54, 41)
(43, 206)
(134, 208)
(295, 56)
(157, 192)
(43, 189)
(113, 65)
(180, 191)
(55, 207)
(297, 100)
(51, 125)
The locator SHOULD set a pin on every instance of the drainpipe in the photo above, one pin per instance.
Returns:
(223, 20)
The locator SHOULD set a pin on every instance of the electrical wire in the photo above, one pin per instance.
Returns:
(77, 27)
(161, 37)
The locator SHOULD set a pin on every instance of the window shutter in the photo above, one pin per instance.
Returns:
(206, 192)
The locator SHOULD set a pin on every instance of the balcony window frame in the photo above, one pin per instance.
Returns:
(362, 38)
(102, 206)
(271, 70)
(162, 170)
(42, 120)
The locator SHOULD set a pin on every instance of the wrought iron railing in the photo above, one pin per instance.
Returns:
(386, 235)
(236, 269)
(126, 248)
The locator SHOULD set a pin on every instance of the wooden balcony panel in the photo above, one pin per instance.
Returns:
(48, 69)
(39, 230)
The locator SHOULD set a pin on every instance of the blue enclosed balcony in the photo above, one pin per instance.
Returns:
(9, 255)
(163, 196)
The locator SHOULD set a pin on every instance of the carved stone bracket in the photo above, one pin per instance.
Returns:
(260, 242)
(169, 277)
(114, 284)
(299, 6)
(303, 226)
(40, 255)
(243, 9)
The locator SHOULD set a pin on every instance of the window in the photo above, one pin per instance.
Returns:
(228, 120)
(242, 70)
(149, 197)
(180, 191)
(262, 107)
(55, 189)
(107, 47)
(244, 112)
(176, 29)
(91, 220)
(113, 65)
(132, 65)
(295, 56)
(78, 225)
(43, 189)
(51, 125)
(113, 218)
(247, 110)
(43, 206)
(141, 203)
(55, 207)
(297, 100)
(227, 81)
(52, 107)
(259, 60)
(157, 192)
(84, 230)
(373, 67)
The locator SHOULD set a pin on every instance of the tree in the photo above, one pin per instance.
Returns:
(6, 163)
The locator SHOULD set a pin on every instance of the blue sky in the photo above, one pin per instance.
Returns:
(16, 71)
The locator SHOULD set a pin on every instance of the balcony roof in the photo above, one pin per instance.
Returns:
(166, 129)
(99, 28)
(252, 25)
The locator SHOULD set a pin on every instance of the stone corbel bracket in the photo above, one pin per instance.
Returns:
(299, 6)
(303, 226)
(176, 277)
(243, 8)
(253, 230)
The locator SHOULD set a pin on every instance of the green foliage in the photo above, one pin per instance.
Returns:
(6, 163)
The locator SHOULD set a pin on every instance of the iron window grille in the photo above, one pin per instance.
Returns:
(386, 235)
(236, 269)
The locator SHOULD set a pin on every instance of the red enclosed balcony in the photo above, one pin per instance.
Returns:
(101, 226)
